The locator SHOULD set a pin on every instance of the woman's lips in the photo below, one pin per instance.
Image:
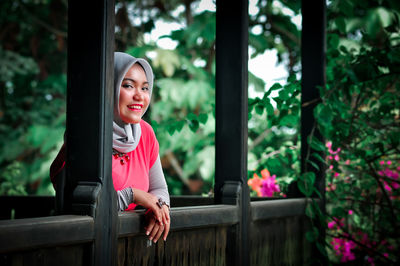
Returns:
(135, 107)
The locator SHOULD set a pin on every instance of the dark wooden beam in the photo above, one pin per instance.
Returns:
(231, 119)
(89, 187)
(313, 75)
(35, 233)
(313, 48)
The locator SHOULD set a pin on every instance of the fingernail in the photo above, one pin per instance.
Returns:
(147, 233)
(155, 241)
(151, 238)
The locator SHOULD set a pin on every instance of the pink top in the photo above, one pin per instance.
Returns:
(135, 172)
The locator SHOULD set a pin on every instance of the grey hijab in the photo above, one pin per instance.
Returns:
(126, 136)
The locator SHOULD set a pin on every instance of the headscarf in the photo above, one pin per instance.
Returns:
(126, 136)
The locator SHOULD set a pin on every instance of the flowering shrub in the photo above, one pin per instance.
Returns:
(357, 226)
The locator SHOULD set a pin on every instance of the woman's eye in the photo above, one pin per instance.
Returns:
(127, 86)
(145, 88)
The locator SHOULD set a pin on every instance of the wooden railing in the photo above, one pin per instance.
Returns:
(201, 235)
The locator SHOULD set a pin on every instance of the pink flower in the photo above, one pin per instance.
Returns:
(347, 162)
(387, 187)
(350, 212)
(389, 162)
(269, 186)
(382, 162)
(344, 248)
(331, 224)
(336, 174)
(328, 144)
(336, 157)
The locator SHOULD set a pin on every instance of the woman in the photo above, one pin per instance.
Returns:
(136, 166)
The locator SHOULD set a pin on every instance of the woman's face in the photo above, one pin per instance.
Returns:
(134, 95)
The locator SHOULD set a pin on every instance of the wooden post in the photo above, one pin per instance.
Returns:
(313, 47)
(89, 188)
(231, 121)
(313, 75)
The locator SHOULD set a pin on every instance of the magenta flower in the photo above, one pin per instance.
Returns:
(269, 186)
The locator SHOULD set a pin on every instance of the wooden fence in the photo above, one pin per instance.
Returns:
(200, 235)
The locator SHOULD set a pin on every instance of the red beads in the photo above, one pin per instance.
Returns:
(123, 157)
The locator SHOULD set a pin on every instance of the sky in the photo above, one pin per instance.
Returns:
(264, 66)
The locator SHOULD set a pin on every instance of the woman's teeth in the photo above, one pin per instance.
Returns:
(135, 107)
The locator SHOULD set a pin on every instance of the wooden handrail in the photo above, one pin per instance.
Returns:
(278, 208)
(182, 218)
(31, 233)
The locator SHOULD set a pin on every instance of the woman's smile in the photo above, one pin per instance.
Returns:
(135, 107)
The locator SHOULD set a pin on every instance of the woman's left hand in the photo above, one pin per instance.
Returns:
(154, 229)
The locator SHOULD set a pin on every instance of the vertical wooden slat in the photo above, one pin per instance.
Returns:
(89, 187)
(231, 120)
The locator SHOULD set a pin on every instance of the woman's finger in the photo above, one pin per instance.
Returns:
(166, 231)
(158, 234)
(154, 232)
(150, 226)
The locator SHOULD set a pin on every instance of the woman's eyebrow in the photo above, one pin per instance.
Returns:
(134, 81)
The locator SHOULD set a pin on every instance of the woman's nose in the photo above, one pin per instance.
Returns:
(138, 94)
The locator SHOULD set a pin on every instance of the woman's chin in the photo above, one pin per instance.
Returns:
(132, 121)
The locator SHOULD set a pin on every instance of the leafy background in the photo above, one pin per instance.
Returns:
(358, 113)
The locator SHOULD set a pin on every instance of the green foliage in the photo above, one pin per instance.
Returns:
(32, 89)
(359, 115)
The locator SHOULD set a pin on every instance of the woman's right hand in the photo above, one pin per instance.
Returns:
(149, 201)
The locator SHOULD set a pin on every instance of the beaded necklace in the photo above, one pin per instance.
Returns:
(122, 156)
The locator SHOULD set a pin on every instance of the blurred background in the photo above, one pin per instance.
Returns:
(178, 38)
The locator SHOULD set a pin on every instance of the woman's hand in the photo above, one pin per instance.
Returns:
(158, 220)
(154, 229)
(148, 201)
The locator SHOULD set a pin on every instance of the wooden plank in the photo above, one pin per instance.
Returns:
(280, 241)
(132, 223)
(76, 255)
(34, 233)
(199, 246)
(270, 209)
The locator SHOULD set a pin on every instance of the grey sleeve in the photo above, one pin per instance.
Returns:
(157, 184)
(125, 197)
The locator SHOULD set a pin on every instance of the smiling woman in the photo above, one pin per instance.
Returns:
(136, 167)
